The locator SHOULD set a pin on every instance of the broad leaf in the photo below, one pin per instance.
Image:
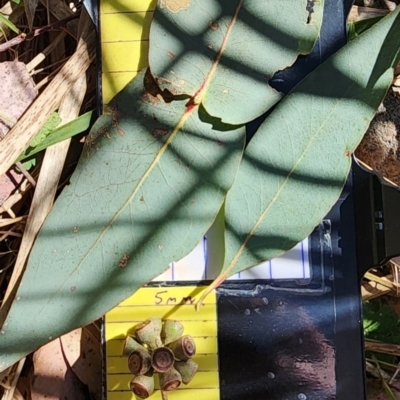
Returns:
(149, 184)
(223, 52)
(295, 166)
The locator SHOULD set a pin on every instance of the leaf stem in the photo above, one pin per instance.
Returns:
(164, 395)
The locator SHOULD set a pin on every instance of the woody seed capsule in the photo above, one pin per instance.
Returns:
(183, 348)
(142, 386)
(170, 380)
(130, 346)
(187, 369)
(148, 332)
(171, 331)
(162, 359)
(139, 362)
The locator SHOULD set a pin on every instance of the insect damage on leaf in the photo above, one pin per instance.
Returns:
(152, 92)
(91, 139)
(174, 5)
(159, 132)
(116, 115)
(124, 261)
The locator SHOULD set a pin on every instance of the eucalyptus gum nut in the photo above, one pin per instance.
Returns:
(142, 386)
(183, 348)
(139, 362)
(171, 331)
(187, 369)
(130, 346)
(170, 380)
(148, 332)
(162, 359)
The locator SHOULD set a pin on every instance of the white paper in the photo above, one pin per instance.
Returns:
(293, 265)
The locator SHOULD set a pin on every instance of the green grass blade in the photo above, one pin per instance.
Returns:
(7, 22)
(64, 132)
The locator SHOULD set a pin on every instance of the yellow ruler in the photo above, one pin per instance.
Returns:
(124, 34)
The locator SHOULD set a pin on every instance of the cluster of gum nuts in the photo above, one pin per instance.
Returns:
(159, 347)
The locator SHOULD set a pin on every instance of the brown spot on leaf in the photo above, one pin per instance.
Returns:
(142, 198)
(73, 288)
(213, 25)
(348, 153)
(174, 5)
(91, 139)
(159, 132)
(124, 261)
(170, 54)
(116, 114)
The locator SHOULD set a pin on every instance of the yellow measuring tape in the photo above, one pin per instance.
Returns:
(124, 35)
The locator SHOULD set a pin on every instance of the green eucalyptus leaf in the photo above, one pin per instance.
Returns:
(149, 184)
(222, 53)
(295, 167)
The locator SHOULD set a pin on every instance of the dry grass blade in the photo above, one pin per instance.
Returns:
(384, 281)
(44, 53)
(10, 221)
(372, 290)
(30, 123)
(9, 392)
(6, 207)
(395, 272)
(372, 369)
(66, 92)
(358, 13)
(383, 380)
(50, 173)
(380, 347)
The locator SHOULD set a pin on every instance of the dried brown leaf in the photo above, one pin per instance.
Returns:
(53, 379)
(82, 352)
(30, 8)
(18, 91)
